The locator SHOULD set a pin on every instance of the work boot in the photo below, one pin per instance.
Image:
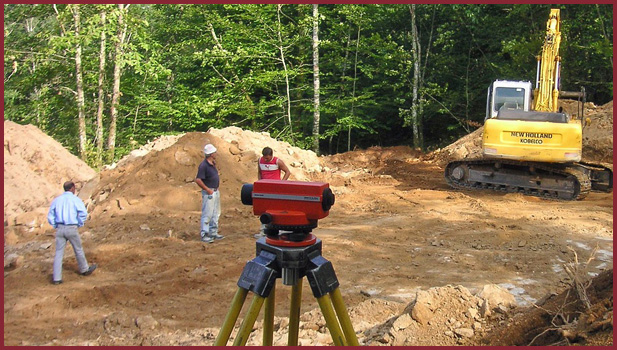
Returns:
(217, 236)
(207, 239)
(90, 270)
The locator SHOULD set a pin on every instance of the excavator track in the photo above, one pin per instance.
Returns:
(544, 180)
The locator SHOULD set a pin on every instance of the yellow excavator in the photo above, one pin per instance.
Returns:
(529, 145)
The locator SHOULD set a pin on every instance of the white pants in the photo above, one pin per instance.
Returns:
(210, 213)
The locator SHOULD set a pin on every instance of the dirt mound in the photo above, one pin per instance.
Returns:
(161, 178)
(301, 162)
(597, 137)
(35, 167)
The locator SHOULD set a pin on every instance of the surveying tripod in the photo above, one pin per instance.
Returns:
(291, 260)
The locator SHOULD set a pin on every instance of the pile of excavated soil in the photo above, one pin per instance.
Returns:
(300, 162)
(597, 137)
(35, 167)
(162, 178)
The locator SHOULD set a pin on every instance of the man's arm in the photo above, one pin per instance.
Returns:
(284, 167)
(258, 170)
(82, 212)
(203, 186)
(51, 215)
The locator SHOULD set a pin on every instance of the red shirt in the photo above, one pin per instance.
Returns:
(269, 170)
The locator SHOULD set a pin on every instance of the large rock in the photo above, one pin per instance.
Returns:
(495, 295)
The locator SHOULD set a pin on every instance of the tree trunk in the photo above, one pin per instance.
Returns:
(111, 141)
(279, 6)
(316, 78)
(80, 84)
(415, 105)
(101, 96)
(353, 93)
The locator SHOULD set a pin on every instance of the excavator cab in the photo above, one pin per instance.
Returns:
(510, 95)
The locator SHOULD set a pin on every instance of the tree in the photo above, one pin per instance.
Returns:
(79, 83)
(316, 77)
(101, 94)
(115, 99)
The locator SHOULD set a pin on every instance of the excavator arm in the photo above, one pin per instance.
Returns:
(546, 92)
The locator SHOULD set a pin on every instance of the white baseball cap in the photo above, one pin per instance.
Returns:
(209, 149)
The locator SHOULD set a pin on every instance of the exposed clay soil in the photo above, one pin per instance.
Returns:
(418, 262)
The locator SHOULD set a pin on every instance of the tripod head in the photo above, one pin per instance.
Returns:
(291, 206)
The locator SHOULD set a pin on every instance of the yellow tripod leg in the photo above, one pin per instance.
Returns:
(328, 312)
(232, 316)
(343, 317)
(268, 328)
(249, 321)
(294, 313)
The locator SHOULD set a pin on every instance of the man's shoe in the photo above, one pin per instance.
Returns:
(56, 282)
(207, 239)
(90, 270)
(217, 236)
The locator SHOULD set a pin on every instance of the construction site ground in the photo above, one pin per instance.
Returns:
(418, 262)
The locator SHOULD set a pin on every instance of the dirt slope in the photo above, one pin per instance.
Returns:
(418, 263)
(35, 167)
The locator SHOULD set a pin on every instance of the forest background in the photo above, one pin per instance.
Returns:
(104, 79)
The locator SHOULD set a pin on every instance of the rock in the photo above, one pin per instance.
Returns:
(485, 309)
(13, 260)
(45, 246)
(103, 196)
(426, 298)
(402, 322)
(183, 158)
(117, 319)
(32, 219)
(10, 237)
(421, 313)
(497, 295)
(502, 309)
(144, 227)
(122, 203)
(146, 322)
(472, 313)
(464, 332)
(233, 149)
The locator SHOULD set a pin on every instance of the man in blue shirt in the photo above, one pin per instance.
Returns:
(208, 180)
(66, 214)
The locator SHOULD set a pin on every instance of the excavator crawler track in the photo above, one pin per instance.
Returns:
(544, 180)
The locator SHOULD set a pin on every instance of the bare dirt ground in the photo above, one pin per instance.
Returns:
(418, 262)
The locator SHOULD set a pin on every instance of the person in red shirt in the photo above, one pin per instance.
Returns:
(270, 167)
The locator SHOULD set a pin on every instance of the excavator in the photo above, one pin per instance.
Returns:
(529, 145)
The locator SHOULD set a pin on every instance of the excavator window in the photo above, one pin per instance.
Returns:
(508, 97)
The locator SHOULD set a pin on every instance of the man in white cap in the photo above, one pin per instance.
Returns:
(208, 180)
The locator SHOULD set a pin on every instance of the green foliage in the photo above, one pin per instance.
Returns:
(192, 67)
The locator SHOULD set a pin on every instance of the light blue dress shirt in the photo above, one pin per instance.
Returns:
(67, 209)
